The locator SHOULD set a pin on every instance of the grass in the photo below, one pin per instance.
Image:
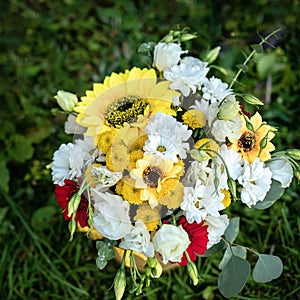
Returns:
(46, 46)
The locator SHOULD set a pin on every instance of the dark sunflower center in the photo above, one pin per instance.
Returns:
(247, 141)
(123, 110)
(152, 175)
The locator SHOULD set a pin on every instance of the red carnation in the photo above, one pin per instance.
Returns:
(198, 235)
(63, 195)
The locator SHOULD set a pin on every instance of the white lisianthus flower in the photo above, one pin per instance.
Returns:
(233, 161)
(72, 127)
(188, 76)
(256, 182)
(138, 240)
(66, 100)
(68, 161)
(214, 90)
(216, 228)
(166, 137)
(171, 242)
(282, 171)
(166, 55)
(111, 215)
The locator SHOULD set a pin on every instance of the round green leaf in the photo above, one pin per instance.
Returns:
(234, 276)
(234, 250)
(273, 194)
(267, 268)
(232, 230)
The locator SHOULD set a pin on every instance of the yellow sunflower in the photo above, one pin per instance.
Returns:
(121, 98)
(250, 141)
(151, 176)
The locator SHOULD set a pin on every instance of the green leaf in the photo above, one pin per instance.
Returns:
(257, 48)
(211, 55)
(105, 253)
(244, 68)
(272, 196)
(234, 276)
(4, 176)
(267, 268)
(20, 149)
(235, 250)
(145, 47)
(232, 230)
(214, 249)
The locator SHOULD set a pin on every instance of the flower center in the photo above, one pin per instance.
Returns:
(152, 175)
(123, 110)
(247, 141)
(161, 148)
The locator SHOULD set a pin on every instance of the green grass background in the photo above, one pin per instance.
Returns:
(50, 45)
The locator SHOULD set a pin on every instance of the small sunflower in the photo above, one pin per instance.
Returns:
(151, 176)
(121, 99)
(104, 140)
(249, 144)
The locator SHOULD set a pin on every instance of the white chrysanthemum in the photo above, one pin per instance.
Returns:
(282, 171)
(256, 182)
(233, 162)
(91, 153)
(72, 127)
(216, 228)
(166, 137)
(67, 163)
(111, 215)
(201, 201)
(215, 90)
(188, 76)
(138, 240)
(198, 170)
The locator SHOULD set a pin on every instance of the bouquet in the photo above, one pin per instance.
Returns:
(159, 155)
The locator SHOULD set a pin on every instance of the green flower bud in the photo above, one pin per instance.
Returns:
(193, 272)
(252, 99)
(120, 283)
(66, 100)
(232, 187)
(152, 262)
(73, 204)
(72, 228)
(200, 155)
(228, 109)
(156, 271)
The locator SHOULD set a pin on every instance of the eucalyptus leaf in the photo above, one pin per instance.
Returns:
(145, 47)
(234, 250)
(272, 196)
(232, 230)
(267, 268)
(234, 276)
(214, 249)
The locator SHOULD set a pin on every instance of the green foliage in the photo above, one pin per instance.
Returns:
(49, 45)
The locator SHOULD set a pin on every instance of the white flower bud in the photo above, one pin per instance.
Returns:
(66, 100)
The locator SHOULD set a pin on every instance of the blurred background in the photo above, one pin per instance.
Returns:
(46, 46)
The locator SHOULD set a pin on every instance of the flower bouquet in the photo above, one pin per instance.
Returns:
(158, 157)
